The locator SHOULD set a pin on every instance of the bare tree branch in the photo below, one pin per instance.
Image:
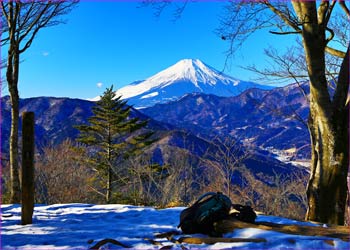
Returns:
(287, 19)
(330, 11)
(158, 7)
(30, 17)
(34, 22)
(330, 38)
(180, 9)
(322, 12)
(335, 52)
(285, 33)
(344, 7)
(342, 89)
(234, 26)
(3, 8)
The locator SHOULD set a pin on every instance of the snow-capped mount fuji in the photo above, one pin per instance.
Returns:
(184, 77)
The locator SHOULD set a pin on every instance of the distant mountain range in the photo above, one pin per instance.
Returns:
(55, 118)
(270, 121)
(188, 105)
(185, 77)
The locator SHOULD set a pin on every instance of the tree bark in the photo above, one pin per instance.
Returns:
(328, 124)
(12, 80)
(109, 184)
(109, 167)
(327, 187)
(15, 184)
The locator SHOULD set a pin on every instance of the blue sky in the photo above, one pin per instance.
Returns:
(106, 43)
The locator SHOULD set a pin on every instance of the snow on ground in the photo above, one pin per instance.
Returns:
(80, 226)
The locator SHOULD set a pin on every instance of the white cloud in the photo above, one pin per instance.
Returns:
(46, 53)
(99, 84)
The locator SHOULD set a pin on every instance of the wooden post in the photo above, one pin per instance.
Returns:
(27, 167)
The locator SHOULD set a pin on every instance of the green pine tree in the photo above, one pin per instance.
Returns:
(112, 137)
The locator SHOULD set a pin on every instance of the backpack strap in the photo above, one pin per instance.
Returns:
(205, 195)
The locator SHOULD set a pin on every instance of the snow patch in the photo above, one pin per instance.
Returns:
(150, 95)
(95, 99)
(200, 101)
(235, 83)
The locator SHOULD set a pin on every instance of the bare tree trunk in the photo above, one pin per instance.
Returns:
(109, 185)
(12, 80)
(328, 124)
(109, 168)
(327, 187)
(15, 184)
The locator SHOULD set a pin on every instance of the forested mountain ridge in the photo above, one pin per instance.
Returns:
(56, 118)
(274, 119)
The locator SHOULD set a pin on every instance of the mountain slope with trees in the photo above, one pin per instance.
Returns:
(268, 119)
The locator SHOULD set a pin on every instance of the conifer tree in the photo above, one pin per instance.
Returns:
(112, 137)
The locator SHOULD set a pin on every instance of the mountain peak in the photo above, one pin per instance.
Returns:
(184, 77)
(190, 70)
(190, 63)
(193, 70)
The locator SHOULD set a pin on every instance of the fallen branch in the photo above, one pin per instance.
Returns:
(167, 235)
(6, 215)
(112, 241)
(213, 240)
(340, 232)
(206, 240)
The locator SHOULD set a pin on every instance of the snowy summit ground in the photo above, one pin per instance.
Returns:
(81, 226)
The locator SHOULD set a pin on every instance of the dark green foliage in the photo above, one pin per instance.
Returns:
(113, 136)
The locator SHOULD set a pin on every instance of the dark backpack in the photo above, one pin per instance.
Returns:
(200, 217)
